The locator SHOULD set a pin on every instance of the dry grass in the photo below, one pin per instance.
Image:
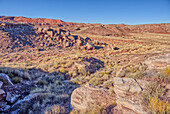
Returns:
(167, 71)
(159, 106)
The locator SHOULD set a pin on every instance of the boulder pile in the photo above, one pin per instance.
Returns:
(21, 36)
(61, 38)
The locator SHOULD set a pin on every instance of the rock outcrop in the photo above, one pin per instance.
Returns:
(21, 36)
(128, 95)
(2, 92)
(83, 97)
(158, 62)
(5, 78)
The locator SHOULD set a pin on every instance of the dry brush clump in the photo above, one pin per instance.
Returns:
(167, 71)
(153, 97)
(16, 74)
(94, 109)
(56, 93)
(55, 109)
(159, 106)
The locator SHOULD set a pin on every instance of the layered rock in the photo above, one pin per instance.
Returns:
(158, 62)
(83, 97)
(128, 95)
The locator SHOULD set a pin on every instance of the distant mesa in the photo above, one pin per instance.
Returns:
(30, 20)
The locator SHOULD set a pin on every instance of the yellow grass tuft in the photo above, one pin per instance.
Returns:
(167, 71)
(159, 106)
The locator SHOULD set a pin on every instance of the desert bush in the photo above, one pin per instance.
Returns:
(103, 72)
(131, 69)
(79, 80)
(122, 74)
(106, 77)
(167, 71)
(111, 90)
(16, 72)
(74, 112)
(159, 106)
(94, 109)
(74, 74)
(151, 90)
(55, 109)
(82, 71)
(41, 82)
(56, 94)
(56, 65)
(108, 83)
(96, 81)
(109, 71)
(69, 64)
(75, 80)
(161, 77)
(143, 67)
(136, 75)
(62, 70)
(16, 79)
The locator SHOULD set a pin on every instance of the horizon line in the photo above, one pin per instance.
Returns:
(87, 22)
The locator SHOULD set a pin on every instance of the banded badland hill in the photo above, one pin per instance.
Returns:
(51, 66)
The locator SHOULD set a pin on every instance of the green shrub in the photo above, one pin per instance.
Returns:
(108, 83)
(41, 82)
(162, 78)
(136, 75)
(152, 90)
(16, 79)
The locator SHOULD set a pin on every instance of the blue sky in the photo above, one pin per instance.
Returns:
(91, 11)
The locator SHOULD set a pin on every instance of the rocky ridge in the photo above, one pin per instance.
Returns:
(19, 36)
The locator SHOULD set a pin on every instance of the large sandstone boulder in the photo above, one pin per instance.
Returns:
(129, 95)
(158, 62)
(83, 97)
